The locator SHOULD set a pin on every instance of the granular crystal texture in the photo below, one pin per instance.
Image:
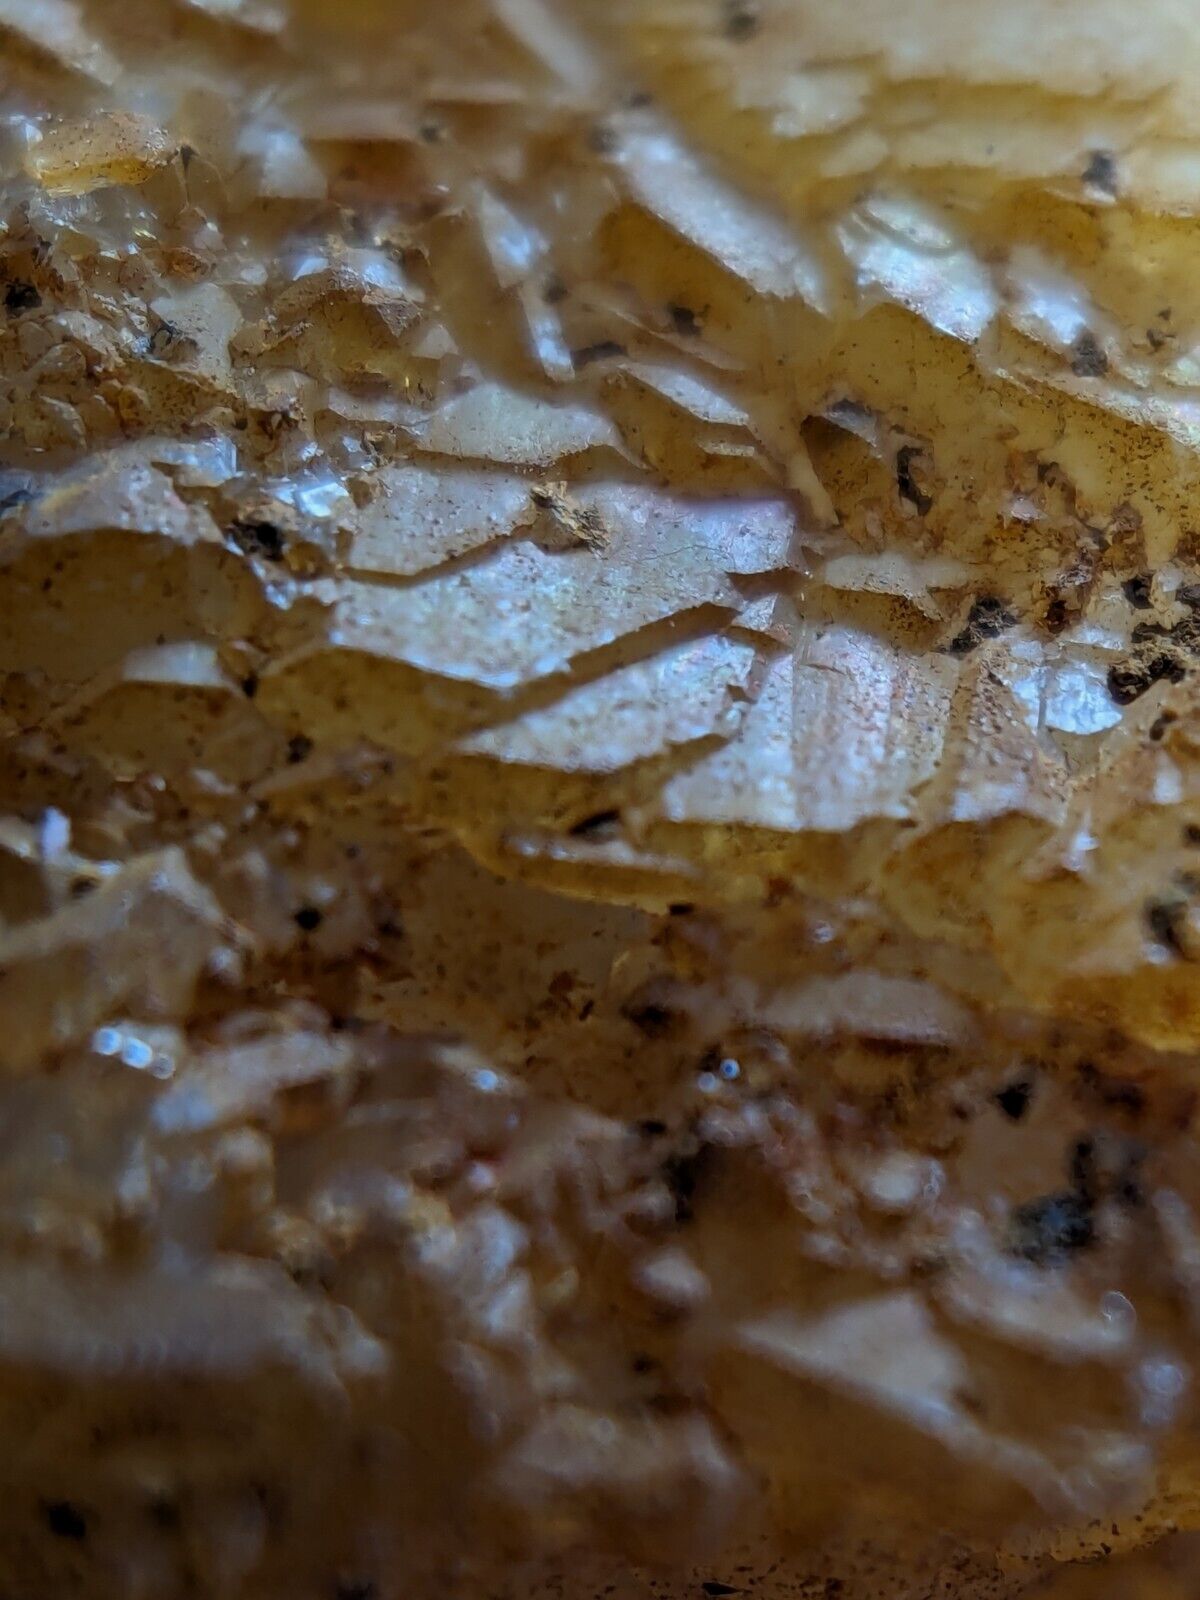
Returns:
(599, 798)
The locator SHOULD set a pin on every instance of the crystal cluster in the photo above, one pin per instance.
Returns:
(599, 796)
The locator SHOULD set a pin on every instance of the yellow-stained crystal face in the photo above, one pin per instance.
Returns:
(599, 795)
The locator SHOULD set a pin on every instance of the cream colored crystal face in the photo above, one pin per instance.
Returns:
(834, 400)
(657, 539)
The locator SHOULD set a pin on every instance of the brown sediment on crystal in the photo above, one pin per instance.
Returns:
(598, 756)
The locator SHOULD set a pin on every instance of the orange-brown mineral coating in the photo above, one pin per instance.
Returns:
(598, 888)
(287, 1299)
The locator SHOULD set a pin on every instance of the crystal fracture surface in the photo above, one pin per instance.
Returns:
(599, 797)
